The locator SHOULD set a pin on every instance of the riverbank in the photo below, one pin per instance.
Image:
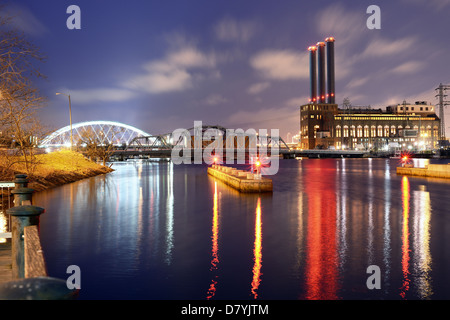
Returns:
(58, 168)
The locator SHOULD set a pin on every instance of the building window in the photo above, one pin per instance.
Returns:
(338, 131)
(380, 131)
(352, 131)
(393, 130)
(373, 132)
(386, 131)
(359, 131)
(345, 131)
(366, 131)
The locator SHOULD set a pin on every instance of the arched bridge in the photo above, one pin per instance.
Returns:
(103, 132)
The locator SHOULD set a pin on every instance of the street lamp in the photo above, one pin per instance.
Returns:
(70, 116)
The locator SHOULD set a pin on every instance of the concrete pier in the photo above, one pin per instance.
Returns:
(429, 171)
(241, 180)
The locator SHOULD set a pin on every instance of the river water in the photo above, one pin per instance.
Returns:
(154, 230)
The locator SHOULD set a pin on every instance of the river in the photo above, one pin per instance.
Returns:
(155, 230)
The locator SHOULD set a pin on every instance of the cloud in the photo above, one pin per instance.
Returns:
(85, 96)
(409, 67)
(343, 24)
(434, 4)
(214, 99)
(296, 102)
(285, 119)
(381, 47)
(25, 20)
(178, 71)
(258, 87)
(356, 82)
(231, 30)
(281, 64)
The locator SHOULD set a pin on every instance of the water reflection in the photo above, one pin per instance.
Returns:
(3, 225)
(321, 260)
(405, 237)
(370, 227)
(387, 227)
(421, 239)
(169, 214)
(184, 235)
(215, 243)
(257, 251)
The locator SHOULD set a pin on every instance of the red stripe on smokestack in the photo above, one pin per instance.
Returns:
(312, 73)
(321, 71)
(330, 70)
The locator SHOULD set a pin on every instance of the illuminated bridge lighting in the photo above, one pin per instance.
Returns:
(105, 132)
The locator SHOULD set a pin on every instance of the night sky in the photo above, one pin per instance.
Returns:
(161, 65)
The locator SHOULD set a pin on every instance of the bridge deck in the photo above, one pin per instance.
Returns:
(5, 262)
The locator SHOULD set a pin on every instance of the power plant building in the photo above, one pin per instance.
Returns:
(326, 126)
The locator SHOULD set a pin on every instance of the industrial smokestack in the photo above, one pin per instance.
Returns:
(330, 70)
(312, 74)
(321, 71)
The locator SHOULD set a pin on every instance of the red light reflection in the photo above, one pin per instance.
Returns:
(215, 243)
(321, 256)
(257, 251)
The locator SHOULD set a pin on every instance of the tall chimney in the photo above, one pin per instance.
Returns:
(312, 74)
(321, 71)
(330, 70)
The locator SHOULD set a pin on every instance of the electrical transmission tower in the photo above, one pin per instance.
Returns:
(442, 103)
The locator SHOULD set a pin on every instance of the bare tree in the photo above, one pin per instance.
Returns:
(98, 145)
(19, 99)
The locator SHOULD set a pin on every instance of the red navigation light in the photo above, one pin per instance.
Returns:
(258, 163)
(405, 158)
(215, 159)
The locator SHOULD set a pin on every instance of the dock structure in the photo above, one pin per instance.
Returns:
(241, 180)
(429, 171)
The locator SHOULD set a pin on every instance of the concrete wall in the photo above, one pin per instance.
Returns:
(432, 171)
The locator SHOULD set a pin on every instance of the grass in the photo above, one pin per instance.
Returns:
(58, 168)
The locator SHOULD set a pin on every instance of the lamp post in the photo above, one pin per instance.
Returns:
(70, 116)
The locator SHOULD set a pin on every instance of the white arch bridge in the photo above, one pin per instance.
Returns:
(102, 132)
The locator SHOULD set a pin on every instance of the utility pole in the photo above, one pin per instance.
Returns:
(70, 119)
(442, 103)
